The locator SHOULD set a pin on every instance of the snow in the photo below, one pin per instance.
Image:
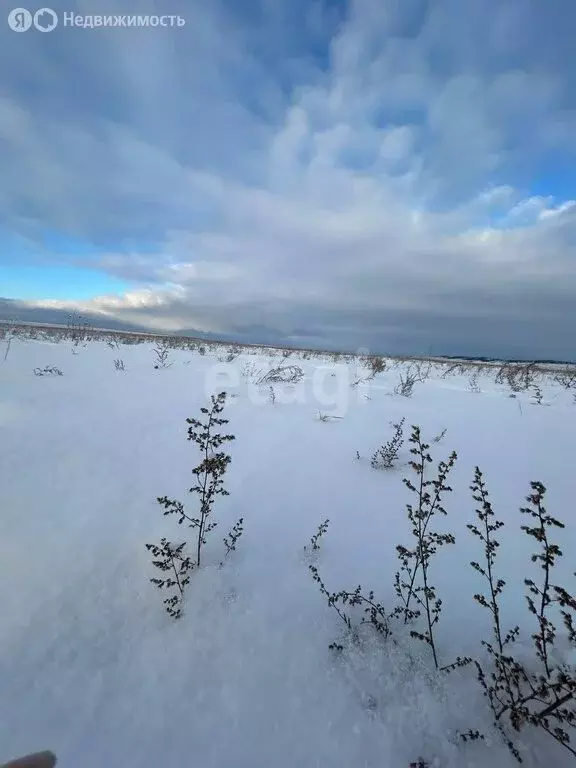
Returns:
(91, 666)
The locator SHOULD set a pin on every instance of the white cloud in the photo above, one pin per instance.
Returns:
(388, 175)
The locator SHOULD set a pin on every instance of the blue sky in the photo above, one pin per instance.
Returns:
(34, 281)
(379, 174)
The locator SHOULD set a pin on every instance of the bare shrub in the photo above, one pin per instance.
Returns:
(9, 335)
(540, 693)
(49, 370)
(452, 370)
(283, 374)
(362, 380)
(412, 582)
(79, 330)
(375, 614)
(567, 379)
(537, 395)
(113, 342)
(232, 537)
(375, 364)
(528, 375)
(251, 372)
(421, 371)
(209, 475)
(387, 455)
(440, 436)
(326, 417)
(473, 383)
(518, 378)
(161, 354)
(521, 696)
(405, 386)
(315, 540)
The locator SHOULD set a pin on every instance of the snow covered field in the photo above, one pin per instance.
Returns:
(92, 667)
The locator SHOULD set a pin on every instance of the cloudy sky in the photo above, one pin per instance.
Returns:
(397, 175)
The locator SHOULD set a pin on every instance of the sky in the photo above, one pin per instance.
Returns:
(397, 176)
